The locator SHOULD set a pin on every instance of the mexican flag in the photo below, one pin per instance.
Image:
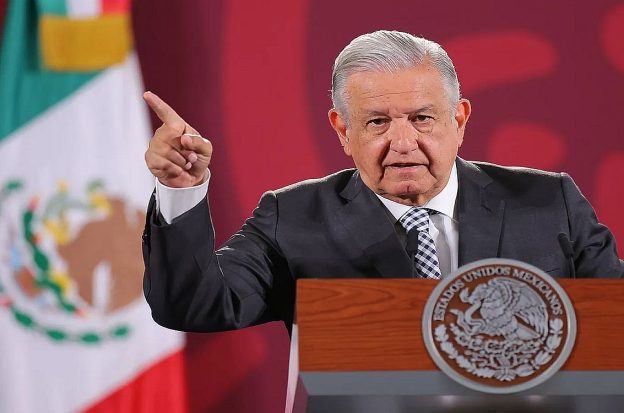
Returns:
(75, 331)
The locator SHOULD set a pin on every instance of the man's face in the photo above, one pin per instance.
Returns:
(402, 134)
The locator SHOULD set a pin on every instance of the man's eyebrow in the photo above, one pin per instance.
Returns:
(425, 108)
(375, 113)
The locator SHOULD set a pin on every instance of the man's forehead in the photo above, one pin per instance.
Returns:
(418, 86)
(376, 85)
(424, 72)
(376, 94)
(379, 108)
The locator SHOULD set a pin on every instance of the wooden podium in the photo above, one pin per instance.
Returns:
(361, 350)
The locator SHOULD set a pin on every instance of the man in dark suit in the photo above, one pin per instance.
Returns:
(411, 207)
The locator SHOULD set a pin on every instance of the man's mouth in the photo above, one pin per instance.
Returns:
(401, 165)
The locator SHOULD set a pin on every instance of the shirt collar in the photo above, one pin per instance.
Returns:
(444, 202)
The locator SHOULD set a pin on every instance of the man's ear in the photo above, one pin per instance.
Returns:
(340, 126)
(462, 113)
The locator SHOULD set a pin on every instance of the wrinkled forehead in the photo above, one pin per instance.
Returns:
(406, 90)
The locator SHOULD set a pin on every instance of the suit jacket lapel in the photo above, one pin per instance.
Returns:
(480, 213)
(371, 230)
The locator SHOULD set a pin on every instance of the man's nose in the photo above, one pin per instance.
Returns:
(403, 137)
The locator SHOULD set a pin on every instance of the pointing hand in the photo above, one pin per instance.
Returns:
(177, 155)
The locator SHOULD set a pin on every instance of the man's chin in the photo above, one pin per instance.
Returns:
(406, 189)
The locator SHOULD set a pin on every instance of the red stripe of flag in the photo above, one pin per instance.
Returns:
(115, 6)
(160, 388)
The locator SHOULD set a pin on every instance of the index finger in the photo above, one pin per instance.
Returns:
(164, 112)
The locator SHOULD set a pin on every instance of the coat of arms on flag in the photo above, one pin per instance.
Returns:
(56, 278)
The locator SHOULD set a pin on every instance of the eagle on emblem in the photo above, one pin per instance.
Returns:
(508, 308)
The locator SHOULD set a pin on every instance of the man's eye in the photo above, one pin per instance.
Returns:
(422, 118)
(376, 122)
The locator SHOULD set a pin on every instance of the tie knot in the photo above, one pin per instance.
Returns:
(417, 218)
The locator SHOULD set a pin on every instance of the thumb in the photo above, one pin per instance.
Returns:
(198, 151)
(196, 143)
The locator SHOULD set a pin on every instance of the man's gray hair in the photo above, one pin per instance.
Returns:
(390, 51)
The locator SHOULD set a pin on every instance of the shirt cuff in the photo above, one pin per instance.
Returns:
(173, 202)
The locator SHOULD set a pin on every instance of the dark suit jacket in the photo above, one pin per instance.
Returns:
(336, 227)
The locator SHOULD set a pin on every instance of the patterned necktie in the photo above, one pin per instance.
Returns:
(425, 258)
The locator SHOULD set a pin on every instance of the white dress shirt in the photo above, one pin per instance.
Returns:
(443, 227)
(173, 202)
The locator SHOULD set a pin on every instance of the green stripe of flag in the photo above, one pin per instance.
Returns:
(26, 88)
(56, 7)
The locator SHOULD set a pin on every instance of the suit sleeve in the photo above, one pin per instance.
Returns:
(595, 250)
(191, 287)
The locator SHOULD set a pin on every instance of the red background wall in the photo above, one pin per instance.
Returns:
(546, 80)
